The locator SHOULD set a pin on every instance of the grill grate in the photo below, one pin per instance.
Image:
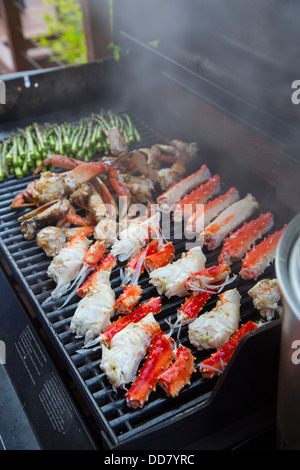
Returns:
(31, 264)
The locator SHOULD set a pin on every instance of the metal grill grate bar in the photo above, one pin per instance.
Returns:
(32, 264)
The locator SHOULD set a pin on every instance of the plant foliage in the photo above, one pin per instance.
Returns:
(65, 33)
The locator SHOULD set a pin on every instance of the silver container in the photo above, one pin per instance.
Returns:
(287, 267)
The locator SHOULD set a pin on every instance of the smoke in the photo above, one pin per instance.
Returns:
(216, 72)
(249, 49)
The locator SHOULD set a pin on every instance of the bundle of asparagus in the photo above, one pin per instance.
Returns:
(24, 150)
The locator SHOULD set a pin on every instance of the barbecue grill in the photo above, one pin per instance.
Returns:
(67, 402)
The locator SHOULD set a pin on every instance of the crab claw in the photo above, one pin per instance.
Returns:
(178, 374)
(58, 160)
(121, 189)
(76, 219)
(50, 211)
(158, 359)
(83, 173)
(24, 198)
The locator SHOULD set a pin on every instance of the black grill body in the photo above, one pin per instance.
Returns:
(206, 414)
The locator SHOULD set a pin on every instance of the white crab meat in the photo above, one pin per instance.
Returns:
(106, 230)
(228, 220)
(134, 237)
(120, 361)
(214, 328)
(48, 187)
(47, 213)
(65, 266)
(266, 297)
(170, 279)
(140, 187)
(94, 311)
(52, 186)
(51, 239)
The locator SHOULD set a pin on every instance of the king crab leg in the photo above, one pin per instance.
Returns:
(216, 363)
(96, 308)
(191, 307)
(208, 279)
(132, 293)
(158, 359)
(65, 266)
(121, 359)
(135, 236)
(131, 266)
(204, 284)
(92, 258)
(267, 297)
(228, 220)
(95, 253)
(172, 196)
(188, 204)
(151, 306)
(178, 374)
(161, 258)
(239, 242)
(170, 279)
(260, 256)
(128, 299)
(209, 211)
(107, 264)
(212, 329)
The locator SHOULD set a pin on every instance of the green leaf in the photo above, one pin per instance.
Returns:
(116, 50)
(65, 34)
(154, 43)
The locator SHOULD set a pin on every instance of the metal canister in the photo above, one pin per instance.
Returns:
(287, 267)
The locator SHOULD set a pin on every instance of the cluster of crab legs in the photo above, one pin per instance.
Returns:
(136, 335)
